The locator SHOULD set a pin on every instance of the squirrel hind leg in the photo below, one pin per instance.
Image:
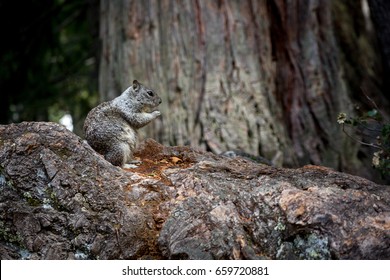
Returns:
(116, 156)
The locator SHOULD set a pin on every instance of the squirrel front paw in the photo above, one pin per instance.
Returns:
(156, 113)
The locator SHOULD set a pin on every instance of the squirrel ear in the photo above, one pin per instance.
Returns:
(135, 85)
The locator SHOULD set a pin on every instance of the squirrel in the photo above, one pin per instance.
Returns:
(111, 127)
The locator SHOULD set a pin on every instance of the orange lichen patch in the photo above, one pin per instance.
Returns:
(317, 168)
(382, 221)
(153, 163)
(150, 150)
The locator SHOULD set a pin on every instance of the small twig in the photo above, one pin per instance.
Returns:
(372, 101)
(370, 129)
(361, 142)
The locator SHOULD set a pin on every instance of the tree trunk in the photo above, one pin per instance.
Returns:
(265, 77)
(380, 11)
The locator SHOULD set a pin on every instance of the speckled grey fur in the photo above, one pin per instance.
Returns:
(111, 127)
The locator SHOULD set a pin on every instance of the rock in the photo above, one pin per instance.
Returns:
(61, 200)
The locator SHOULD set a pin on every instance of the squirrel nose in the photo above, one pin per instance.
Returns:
(159, 102)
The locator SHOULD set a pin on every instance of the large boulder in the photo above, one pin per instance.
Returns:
(61, 200)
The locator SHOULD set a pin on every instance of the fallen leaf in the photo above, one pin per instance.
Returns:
(175, 160)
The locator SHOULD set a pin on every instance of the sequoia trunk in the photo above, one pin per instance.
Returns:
(265, 77)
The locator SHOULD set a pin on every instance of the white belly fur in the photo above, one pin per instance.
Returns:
(128, 143)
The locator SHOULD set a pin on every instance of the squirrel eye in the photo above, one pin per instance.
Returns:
(150, 93)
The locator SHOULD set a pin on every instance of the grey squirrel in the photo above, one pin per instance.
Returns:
(111, 127)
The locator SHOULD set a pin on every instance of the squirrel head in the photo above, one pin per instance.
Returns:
(145, 96)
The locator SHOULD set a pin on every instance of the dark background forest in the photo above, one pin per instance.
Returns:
(267, 77)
